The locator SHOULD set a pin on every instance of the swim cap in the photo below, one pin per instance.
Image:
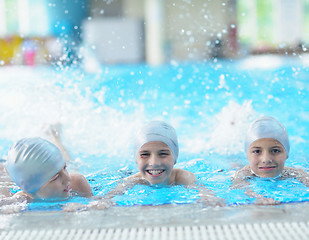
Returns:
(157, 131)
(32, 162)
(267, 127)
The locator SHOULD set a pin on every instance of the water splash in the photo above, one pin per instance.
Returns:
(226, 130)
(28, 99)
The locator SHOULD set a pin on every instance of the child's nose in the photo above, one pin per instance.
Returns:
(266, 158)
(153, 160)
(65, 177)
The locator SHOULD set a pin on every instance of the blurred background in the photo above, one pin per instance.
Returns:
(38, 32)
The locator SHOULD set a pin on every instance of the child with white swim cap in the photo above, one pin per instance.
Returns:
(267, 148)
(156, 152)
(38, 168)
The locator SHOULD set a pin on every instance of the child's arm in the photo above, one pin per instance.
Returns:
(188, 179)
(120, 189)
(299, 174)
(18, 197)
(80, 185)
(124, 185)
(239, 182)
(5, 181)
(208, 197)
(260, 199)
(105, 201)
(239, 178)
(53, 131)
(13, 204)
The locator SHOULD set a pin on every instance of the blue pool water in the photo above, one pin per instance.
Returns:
(210, 104)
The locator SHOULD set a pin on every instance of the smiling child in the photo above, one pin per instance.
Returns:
(156, 152)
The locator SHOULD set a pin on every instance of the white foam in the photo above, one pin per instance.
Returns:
(29, 99)
(225, 134)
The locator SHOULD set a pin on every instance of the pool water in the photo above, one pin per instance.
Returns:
(210, 105)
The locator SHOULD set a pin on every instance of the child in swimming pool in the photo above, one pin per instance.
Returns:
(38, 168)
(156, 152)
(267, 148)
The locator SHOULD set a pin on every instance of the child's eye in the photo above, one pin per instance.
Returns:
(55, 178)
(65, 168)
(163, 154)
(256, 151)
(276, 150)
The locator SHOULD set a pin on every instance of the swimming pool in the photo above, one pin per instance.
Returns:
(210, 104)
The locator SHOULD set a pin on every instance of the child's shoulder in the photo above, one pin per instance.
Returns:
(134, 179)
(242, 173)
(77, 177)
(182, 177)
(80, 185)
(23, 196)
(289, 172)
(241, 177)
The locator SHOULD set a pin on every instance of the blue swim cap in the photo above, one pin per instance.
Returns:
(267, 127)
(32, 162)
(157, 131)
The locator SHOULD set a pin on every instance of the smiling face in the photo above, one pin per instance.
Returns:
(57, 187)
(155, 162)
(267, 157)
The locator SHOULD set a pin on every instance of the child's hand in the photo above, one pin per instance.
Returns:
(211, 201)
(52, 130)
(97, 205)
(260, 200)
(15, 207)
(73, 207)
(101, 204)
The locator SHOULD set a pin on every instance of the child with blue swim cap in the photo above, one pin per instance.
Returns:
(38, 168)
(156, 152)
(267, 148)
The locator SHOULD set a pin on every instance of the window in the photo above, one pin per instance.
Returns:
(23, 17)
(273, 24)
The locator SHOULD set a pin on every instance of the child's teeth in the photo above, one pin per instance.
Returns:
(155, 172)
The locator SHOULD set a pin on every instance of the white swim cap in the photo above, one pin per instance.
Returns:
(157, 131)
(32, 162)
(267, 127)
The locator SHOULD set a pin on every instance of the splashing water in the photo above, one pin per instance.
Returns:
(209, 104)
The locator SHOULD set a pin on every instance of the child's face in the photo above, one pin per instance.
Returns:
(57, 187)
(155, 162)
(266, 157)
